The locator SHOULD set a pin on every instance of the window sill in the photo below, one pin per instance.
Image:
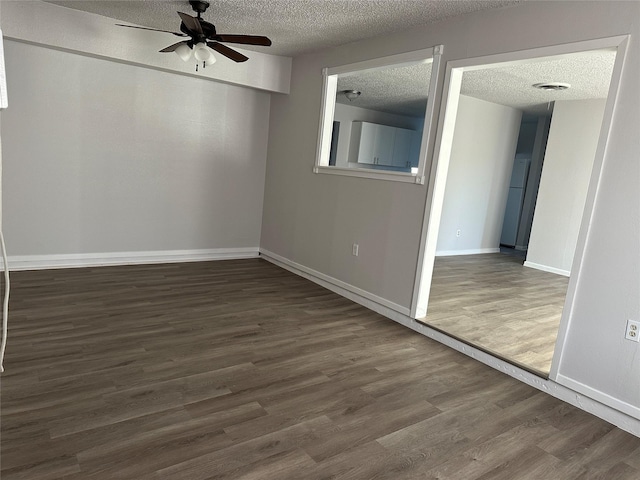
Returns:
(373, 174)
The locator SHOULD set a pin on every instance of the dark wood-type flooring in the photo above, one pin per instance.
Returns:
(239, 369)
(494, 302)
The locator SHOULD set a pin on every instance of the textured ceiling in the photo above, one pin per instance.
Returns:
(588, 73)
(404, 90)
(294, 26)
(299, 26)
(400, 90)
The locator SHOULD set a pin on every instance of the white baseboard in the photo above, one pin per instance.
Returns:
(355, 294)
(475, 251)
(602, 397)
(587, 399)
(602, 406)
(623, 415)
(41, 262)
(546, 268)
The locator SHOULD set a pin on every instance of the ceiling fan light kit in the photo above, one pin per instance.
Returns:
(204, 40)
(184, 52)
(351, 94)
(202, 53)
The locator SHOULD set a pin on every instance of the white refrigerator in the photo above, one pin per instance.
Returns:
(515, 199)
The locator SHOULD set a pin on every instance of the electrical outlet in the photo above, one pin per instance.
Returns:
(633, 331)
(458, 233)
(354, 250)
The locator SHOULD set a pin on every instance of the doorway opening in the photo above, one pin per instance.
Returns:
(505, 230)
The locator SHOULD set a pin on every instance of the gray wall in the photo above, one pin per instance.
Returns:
(566, 171)
(107, 157)
(527, 136)
(484, 145)
(312, 219)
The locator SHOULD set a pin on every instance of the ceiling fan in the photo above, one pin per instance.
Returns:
(203, 38)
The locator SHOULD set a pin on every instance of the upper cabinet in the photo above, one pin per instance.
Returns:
(406, 148)
(375, 144)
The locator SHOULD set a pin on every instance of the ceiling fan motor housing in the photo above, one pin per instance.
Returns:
(199, 6)
(208, 31)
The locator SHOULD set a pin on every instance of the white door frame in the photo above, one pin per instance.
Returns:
(442, 155)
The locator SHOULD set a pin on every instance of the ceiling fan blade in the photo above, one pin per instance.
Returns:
(177, 34)
(227, 52)
(244, 39)
(172, 48)
(192, 23)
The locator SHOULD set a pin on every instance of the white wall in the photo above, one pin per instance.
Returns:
(106, 157)
(568, 162)
(345, 114)
(312, 219)
(482, 153)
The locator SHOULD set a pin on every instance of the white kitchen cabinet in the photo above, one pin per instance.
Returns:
(402, 147)
(375, 144)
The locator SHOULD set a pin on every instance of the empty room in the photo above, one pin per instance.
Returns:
(344, 239)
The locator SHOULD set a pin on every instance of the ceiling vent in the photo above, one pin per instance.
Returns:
(552, 86)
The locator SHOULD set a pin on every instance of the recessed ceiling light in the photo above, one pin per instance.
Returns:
(551, 86)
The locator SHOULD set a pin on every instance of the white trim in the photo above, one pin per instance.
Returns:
(40, 262)
(344, 289)
(327, 114)
(473, 251)
(536, 54)
(4, 99)
(601, 397)
(546, 268)
(596, 407)
(429, 115)
(592, 193)
(435, 192)
(399, 60)
(327, 110)
(442, 153)
(369, 173)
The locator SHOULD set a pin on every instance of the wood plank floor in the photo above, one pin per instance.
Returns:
(494, 302)
(241, 370)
